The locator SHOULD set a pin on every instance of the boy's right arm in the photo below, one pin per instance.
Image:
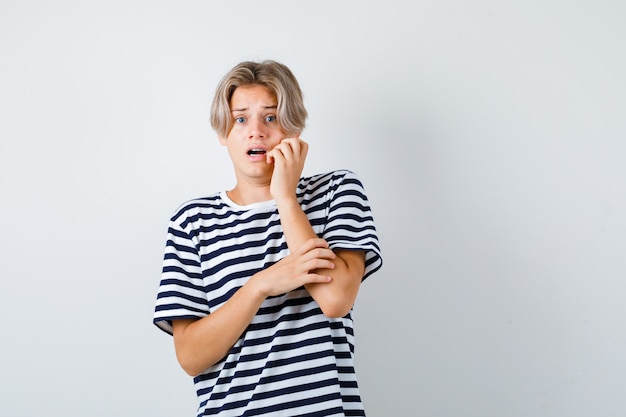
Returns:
(200, 343)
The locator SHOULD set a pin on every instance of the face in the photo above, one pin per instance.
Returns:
(255, 132)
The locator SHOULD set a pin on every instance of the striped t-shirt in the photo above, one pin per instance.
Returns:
(292, 360)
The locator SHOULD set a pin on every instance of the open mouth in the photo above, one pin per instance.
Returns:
(257, 151)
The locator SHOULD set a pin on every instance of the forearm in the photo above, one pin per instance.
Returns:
(202, 343)
(296, 226)
(337, 297)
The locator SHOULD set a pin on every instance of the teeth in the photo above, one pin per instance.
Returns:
(256, 151)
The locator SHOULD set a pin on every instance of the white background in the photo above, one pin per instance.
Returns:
(490, 137)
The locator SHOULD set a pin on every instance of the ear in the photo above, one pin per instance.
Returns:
(222, 140)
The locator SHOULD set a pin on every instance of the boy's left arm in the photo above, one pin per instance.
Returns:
(337, 297)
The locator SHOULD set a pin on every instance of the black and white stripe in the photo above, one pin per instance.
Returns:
(292, 360)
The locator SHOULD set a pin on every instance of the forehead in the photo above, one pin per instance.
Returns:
(247, 95)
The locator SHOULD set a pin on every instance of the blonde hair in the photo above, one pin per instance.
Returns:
(274, 76)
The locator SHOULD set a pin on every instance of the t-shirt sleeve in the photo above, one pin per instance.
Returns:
(181, 291)
(350, 224)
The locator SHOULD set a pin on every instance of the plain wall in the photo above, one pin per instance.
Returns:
(490, 137)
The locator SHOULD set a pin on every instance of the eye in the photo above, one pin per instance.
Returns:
(240, 119)
(270, 119)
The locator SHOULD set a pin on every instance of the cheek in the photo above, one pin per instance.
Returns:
(284, 135)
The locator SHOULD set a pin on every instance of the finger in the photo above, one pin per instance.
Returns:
(275, 155)
(279, 152)
(315, 264)
(304, 148)
(295, 146)
(287, 149)
(324, 253)
(319, 253)
(314, 278)
(313, 243)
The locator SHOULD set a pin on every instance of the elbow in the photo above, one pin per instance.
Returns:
(191, 367)
(336, 303)
(188, 365)
(194, 359)
(190, 361)
(336, 309)
(193, 363)
(192, 372)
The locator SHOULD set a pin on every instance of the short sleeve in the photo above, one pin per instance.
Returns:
(350, 224)
(181, 292)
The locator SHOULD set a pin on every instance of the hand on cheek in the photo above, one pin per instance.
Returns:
(282, 151)
(288, 158)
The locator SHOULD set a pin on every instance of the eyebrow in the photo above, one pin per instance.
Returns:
(246, 108)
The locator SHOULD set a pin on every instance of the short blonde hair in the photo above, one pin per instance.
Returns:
(274, 76)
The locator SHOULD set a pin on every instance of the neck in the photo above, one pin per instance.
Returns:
(249, 194)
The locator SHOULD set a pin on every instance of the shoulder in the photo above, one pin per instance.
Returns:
(330, 185)
(198, 207)
(328, 179)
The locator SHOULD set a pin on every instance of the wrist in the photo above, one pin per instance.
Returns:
(255, 288)
(289, 201)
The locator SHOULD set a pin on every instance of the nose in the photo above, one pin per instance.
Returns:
(256, 128)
